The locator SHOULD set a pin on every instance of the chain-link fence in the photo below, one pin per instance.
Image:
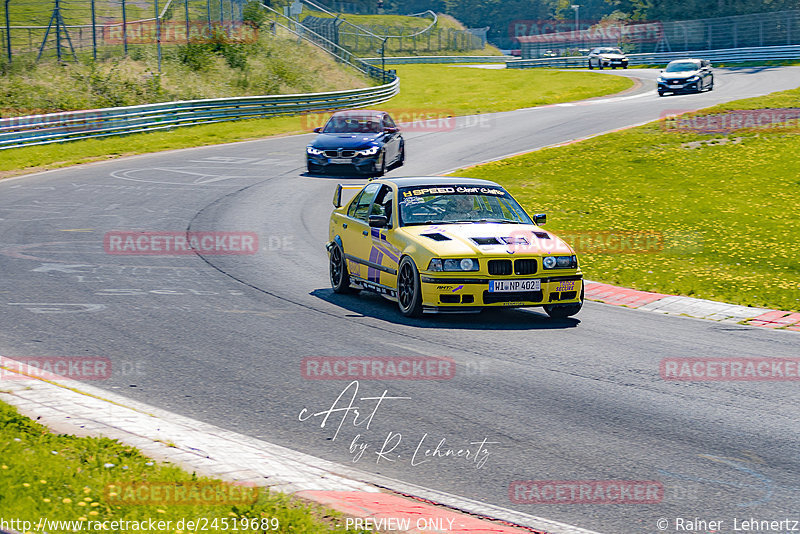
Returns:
(740, 31)
(424, 34)
(68, 29)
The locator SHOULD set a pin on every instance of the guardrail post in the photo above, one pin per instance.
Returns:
(186, 16)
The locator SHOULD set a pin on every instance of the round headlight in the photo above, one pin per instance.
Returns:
(549, 262)
(466, 264)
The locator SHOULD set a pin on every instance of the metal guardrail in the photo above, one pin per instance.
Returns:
(399, 60)
(75, 125)
(726, 55)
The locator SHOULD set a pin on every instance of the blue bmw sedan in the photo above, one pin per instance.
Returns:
(365, 141)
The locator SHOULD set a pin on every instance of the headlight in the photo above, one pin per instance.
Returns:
(368, 151)
(560, 262)
(461, 264)
(313, 151)
(660, 79)
(693, 79)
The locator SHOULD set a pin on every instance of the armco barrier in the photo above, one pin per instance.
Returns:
(395, 60)
(75, 125)
(726, 55)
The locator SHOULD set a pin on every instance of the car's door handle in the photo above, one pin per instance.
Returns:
(344, 225)
(365, 233)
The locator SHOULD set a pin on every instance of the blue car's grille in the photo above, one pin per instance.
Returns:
(340, 153)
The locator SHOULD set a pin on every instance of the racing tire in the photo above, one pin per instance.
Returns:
(711, 86)
(590, 66)
(340, 278)
(401, 159)
(600, 66)
(661, 93)
(624, 66)
(562, 311)
(409, 290)
(381, 169)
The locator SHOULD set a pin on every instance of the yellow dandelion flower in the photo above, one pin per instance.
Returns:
(66, 500)
(95, 504)
(94, 512)
(4, 466)
(81, 503)
(46, 499)
(26, 484)
(160, 511)
(87, 499)
(87, 489)
(43, 481)
(113, 494)
(81, 518)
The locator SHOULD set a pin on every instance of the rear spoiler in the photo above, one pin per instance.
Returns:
(337, 195)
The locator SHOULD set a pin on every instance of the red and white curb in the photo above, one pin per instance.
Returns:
(72, 407)
(692, 307)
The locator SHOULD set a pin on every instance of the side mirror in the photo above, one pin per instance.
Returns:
(392, 129)
(337, 196)
(317, 130)
(378, 221)
(539, 219)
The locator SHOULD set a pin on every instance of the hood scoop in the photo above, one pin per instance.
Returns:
(542, 235)
(436, 237)
(486, 241)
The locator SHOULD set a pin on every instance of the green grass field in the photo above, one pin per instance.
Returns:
(66, 478)
(424, 89)
(725, 206)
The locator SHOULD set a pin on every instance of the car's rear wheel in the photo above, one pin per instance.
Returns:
(340, 278)
(591, 67)
(409, 291)
(562, 311)
(402, 157)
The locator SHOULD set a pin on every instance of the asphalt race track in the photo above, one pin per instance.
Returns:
(221, 338)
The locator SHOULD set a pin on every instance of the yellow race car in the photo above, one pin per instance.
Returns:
(436, 244)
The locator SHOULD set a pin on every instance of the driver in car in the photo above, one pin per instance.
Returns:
(460, 207)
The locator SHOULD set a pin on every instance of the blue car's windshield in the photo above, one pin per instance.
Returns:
(456, 204)
(353, 124)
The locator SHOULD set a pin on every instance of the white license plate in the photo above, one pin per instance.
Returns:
(508, 286)
(340, 160)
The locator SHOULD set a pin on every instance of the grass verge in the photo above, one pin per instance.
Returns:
(723, 206)
(66, 478)
(425, 88)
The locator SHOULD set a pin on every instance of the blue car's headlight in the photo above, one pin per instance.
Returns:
(560, 262)
(693, 79)
(313, 151)
(461, 264)
(371, 151)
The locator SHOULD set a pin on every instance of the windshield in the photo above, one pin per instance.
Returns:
(353, 124)
(682, 67)
(609, 51)
(451, 204)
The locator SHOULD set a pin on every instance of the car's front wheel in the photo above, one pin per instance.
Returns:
(591, 67)
(409, 291)
(340, 278)
(562, 311)
(380, 165)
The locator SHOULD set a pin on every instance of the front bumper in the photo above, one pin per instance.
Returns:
(361, 164)
(462, 293)
(614, 62)
(665, 87)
